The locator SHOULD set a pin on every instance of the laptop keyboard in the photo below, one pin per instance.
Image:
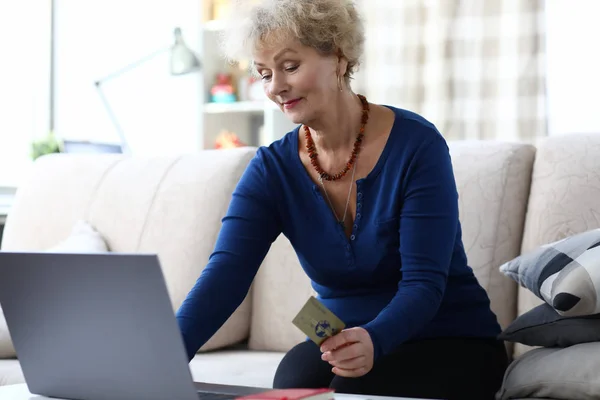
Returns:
(215, 396)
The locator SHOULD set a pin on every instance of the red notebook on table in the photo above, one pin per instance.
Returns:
(291, 394)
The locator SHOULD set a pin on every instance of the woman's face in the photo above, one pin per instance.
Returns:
(299, 79)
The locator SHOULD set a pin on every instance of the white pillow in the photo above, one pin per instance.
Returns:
(82, 239)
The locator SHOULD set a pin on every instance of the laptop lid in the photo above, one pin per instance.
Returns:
(94, 326)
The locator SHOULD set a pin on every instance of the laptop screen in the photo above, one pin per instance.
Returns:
(77, 146)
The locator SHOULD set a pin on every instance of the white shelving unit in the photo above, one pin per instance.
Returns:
(256, 123)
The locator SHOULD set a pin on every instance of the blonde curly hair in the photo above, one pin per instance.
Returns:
(329, 26)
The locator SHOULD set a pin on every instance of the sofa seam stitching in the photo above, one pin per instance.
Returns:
(507, 165)
(152, 201)
(101, 181)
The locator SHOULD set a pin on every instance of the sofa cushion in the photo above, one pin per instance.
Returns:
(279, 291)
(11, 372)
(82, 239)
(543, 326)
(236, 367)
(226, 367)
(565, 273)
(563, 201)
(571, 373)
(171, 206)
(493, 184)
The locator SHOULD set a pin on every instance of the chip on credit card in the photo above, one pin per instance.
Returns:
(317, 322)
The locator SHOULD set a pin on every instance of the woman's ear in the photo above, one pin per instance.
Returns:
(342, 65)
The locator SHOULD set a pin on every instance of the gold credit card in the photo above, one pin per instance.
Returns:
(317, 322)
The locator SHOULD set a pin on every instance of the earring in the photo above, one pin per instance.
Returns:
(340, 83)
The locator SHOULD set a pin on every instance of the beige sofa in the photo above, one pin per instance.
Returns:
(513, 197)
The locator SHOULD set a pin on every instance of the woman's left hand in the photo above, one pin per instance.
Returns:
(350, 352)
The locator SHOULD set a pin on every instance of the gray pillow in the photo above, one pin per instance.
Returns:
(543, 326)
(571, 373)
(565, 274)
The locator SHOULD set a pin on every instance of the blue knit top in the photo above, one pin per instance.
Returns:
(402, 274)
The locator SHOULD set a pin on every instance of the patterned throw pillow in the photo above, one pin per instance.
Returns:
(565, 274)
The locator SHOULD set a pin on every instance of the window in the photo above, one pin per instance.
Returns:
(25, 43)
(158, 113)
(573, 63)
(92, 39)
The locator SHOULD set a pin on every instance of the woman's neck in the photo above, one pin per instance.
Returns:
(338, 129)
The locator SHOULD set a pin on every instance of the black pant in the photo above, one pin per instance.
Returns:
(448, 368)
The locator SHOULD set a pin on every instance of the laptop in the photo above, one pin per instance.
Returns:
(91, 326)
(86, 147)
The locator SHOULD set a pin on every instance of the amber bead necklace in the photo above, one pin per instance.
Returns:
(313, 155)
(312, 151)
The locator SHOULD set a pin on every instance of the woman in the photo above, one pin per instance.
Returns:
(366, 195)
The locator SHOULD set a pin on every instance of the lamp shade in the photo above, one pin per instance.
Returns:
(183, 59)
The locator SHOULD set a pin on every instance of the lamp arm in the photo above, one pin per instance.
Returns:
(131, 66)
(121, 71)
